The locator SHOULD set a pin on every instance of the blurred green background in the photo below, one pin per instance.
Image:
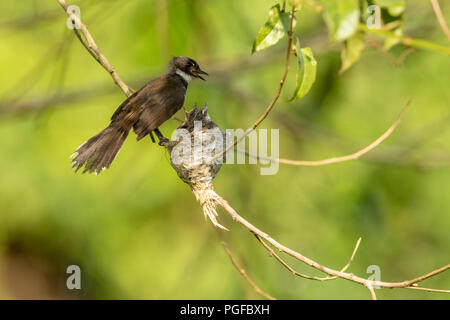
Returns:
(136, 230)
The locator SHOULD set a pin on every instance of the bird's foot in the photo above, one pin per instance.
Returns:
(152, 137)
(163, 141)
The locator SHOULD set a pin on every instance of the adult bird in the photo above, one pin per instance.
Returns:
(144, 111)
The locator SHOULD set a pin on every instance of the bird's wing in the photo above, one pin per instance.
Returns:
(129, 112)
(131, 103)
(166, 98)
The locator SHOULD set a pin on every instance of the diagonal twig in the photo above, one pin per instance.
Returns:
(371, 290)
(245, 275)
(277, 95)
(302, 275)
(440, 17)
(408, 284)
(352, 156)
(90, 45)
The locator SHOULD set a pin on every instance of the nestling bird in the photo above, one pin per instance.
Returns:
(144, 111)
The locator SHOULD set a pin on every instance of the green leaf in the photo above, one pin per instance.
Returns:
(394, 7)
(276, 27)
(342, 17)
(306, 72)
(352, 51)
(392, 16)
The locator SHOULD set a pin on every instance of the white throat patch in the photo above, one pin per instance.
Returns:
(184, 75)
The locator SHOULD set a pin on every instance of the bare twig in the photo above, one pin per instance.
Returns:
(352, 257)
(372, 292)
(352, 156)
(287, 266)
(245, 275)
(272, 253)
(428, 289)
(406, 40)
(440, 17)
(277, 95)
(375, 44)
(90, 45)
(409, 284)
(405, 54)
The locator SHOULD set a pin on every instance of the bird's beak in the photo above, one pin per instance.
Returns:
(198, 74)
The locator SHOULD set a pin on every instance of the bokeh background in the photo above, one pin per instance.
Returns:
(136, 230)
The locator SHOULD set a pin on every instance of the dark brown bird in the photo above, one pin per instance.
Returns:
(144, 111)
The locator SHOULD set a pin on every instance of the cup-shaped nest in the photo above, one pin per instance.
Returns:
(196, 154)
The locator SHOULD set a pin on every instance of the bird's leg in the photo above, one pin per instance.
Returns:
(162, 140)
(152, 137)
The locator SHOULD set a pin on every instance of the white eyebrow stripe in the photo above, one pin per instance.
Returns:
(183, 74)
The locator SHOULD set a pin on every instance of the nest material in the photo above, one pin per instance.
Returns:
(196, 156)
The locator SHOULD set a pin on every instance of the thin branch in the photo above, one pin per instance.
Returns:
(352, 156)
(349, 261)
(277, 95)
(405, 40)
(405, 54)
(428, 289)
(409, 284)
(372, 291)
(296, 273)
(276, 256)
(375, 44)
(352, 257)
(90, 45)
(440, 17)
(283, 79)
(245, 275)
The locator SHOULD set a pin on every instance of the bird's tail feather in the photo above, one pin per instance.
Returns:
(98, 152)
